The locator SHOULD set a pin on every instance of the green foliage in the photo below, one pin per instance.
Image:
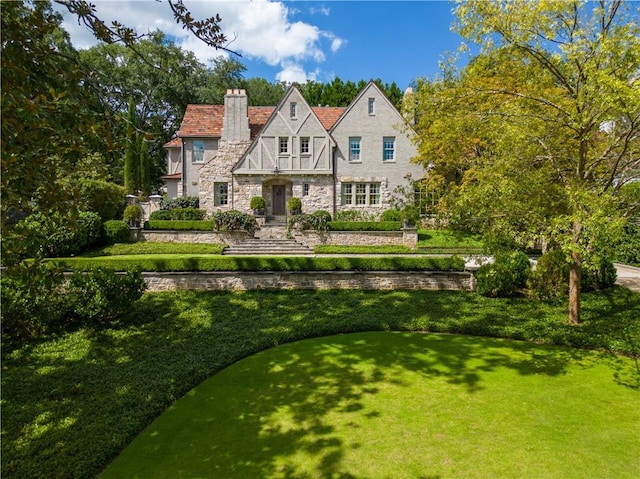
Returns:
(627, 248)
(187, 214)
(106, 199)
(116, 231)
(354, 215)
(101, 295)
(257, 203)
(234, 220)
(365, 225)
(601, 275)
(504, 277)
(180, 225)
(391, 215)
(180, 202)
(318, 221)
(364, 249)
(294, 205)
(149, 247)
(550, 279)
(132, 213)
(193, 262)
(159, 215)
(144, 168)
(131, 163)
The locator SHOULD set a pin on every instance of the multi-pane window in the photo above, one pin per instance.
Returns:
(305, 189)
(293, 109)
(360, 194)
(354, 149)
(371, 106)
(304, 145)
(284, 144)
(197, 151)
(221, 194)
(388, 148)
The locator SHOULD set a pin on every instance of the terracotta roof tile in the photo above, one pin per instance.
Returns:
(328, 115)
(206, 120)
(175, 143)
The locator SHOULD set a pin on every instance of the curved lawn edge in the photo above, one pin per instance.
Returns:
(382, 404)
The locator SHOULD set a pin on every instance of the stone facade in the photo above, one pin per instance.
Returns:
(204, 237)
(358, 238)
(370, 280)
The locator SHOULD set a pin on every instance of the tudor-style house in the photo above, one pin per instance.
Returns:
(331, 158)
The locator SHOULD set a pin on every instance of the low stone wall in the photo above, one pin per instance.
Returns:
(383, 280)
(407, 237)
(211, 237)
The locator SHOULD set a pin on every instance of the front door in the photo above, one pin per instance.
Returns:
(278, 200)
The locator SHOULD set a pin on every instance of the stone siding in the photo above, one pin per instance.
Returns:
(210, 237)
(358, 238)
(369, 280)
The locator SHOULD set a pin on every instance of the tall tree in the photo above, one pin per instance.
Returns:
(131, 151)
(537, 135)
(226, 73)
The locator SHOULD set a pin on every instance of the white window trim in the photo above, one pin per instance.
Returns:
(352, 160)
(384, 150)
(354, 194)
(193, 151)
(371, 106)
(280, 140)
(308, 152)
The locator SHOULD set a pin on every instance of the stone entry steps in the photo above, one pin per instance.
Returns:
(264, 246)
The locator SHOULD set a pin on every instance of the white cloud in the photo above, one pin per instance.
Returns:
(263, 30)
(322, 11)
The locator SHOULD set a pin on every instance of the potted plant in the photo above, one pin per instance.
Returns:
(132, 215)
(294, 205)
(258, 205)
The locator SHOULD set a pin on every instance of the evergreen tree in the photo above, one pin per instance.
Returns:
(131, 170)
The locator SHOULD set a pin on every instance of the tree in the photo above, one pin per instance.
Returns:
(536, 136)
(131, 163)
(226, 73)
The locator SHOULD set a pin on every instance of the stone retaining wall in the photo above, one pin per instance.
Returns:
(211, 237)
(407, 237)
(383, 280)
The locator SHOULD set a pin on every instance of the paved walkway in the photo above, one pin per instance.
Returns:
(628, 276)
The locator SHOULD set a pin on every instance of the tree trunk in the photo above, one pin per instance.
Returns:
(575, 273)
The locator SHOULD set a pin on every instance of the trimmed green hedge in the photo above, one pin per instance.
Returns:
(181, 225)
(364, 249)
(365, 225)
(167, 263)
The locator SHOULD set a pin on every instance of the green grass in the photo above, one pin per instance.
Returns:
(449, 240)
(143, 248)
(72, 402)
(380, 405)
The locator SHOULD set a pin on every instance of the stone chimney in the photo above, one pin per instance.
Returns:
(235, 125)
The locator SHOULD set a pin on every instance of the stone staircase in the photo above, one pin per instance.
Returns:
(268, 246)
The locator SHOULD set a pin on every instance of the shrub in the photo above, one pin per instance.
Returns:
(92, 227)
(102, 197)
(365, 225)
(353, 215)
(180, 202)
(180, 225)
(234, 220)
(317, 221)
(627, 250)
(505, 276)
(116, 231)
(188, 214)
(257, 203)
(161, 215)
(550, 279)
(102, 295)
(600, 276)
(391, 215)
(132, 213)
(294, 205)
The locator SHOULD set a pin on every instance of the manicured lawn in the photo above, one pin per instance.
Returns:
(72, 402)
(447, 239)
(378, 405)
(143, 248)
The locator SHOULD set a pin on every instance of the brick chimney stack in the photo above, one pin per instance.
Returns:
(235, 125)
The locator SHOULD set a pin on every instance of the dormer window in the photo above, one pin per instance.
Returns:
(293, 109)
(372, 106)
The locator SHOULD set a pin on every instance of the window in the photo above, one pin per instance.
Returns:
(388, 149)
(354, 149)
(293, 109)
(305, 189)
(365, 194)
(221, 194)
(304, 145)
(197, 151)
(284, 144)
(371, 106)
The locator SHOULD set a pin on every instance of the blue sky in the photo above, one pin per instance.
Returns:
(306, 40)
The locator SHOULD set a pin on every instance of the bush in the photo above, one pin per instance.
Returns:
(505, 276)
(180, 202)
(257, 203)
(603, 275)
(391, 215)
(550, 279)
(188, 214)
(132, 213)
(92, 228)
(627, 250)
(180, 225)
(317, 221)
(101, 295)
(116, 231)
(164, 215)
(294, 205)
(234, 220)
(365, 225)
(354, 215)
(102, 197)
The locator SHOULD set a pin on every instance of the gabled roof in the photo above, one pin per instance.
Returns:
(175, 143)
(206, 120)
(328, 115)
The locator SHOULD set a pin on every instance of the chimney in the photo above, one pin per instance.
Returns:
(235, 125)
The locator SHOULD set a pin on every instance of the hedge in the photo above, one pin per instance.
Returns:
(166, 263)
(182, 225)
(365, 225)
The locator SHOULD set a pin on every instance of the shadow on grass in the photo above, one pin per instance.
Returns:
(71, 404)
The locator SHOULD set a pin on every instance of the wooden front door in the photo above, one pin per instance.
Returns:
(278, 200)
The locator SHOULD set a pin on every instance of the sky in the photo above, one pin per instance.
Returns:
(296, 41)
